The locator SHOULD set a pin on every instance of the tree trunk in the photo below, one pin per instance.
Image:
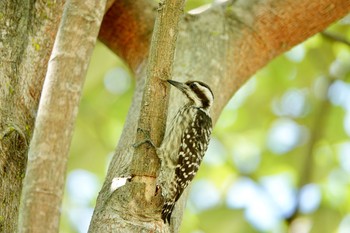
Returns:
(48, 154)
(27, 33)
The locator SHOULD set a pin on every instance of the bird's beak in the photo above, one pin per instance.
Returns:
(178, 85)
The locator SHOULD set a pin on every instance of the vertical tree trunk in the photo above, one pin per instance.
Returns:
(58, 108)
(27, 32)
(152, 120)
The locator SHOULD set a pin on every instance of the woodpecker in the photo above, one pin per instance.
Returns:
(185, 143)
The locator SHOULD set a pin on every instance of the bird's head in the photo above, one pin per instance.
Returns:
(198, 93)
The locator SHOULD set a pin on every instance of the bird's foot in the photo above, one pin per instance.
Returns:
(147, 139)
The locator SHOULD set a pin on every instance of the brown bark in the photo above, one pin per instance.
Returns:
(222, 46)
(127, 29)
(152, 120)
(27, 32)
(48, 154)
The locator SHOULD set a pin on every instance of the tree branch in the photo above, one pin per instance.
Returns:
(274, 27)
(335, 37)
(48, 153)
(247, 36)
(139, 198)
(155, 99)
(316, 132)
(127, 29)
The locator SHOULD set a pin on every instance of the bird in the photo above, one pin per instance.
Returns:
(185, 143)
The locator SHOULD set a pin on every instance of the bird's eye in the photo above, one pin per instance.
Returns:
(192, 85)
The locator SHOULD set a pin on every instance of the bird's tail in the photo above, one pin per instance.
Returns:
(167, 211)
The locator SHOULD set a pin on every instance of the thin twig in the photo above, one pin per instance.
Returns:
(332, 36)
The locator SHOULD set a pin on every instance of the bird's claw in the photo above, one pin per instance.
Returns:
(147, 140)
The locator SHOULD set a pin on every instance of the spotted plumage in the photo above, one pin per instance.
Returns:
(185, 143)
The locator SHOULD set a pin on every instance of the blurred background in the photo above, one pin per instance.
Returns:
(279, 158)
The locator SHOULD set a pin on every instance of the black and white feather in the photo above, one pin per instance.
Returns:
(185, 143)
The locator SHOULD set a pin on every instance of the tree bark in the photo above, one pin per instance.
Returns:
(152, 121)
(27, 33)
(58, 108)
(127, 30)
(223, 47)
